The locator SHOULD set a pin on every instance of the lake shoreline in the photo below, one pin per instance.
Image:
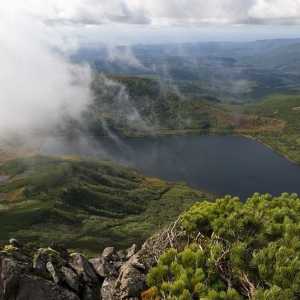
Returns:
(188, 132)
(233, 163)
(271, 148)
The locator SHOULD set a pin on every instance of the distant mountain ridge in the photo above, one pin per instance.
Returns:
(231, 71)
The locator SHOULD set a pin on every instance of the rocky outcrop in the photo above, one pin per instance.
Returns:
(24, 276)
(131, 279)
(54, 274)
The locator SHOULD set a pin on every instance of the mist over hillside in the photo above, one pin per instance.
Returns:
(231, 71)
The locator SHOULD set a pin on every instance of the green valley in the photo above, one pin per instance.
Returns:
(85, 204)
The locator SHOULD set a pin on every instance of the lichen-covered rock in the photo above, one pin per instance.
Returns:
(9, 277)
(53, 274)
(83, 268)
(109, 253)
(19, 282)
(44, 256)
(36, 288)
(99, 265)
(71, 279)
(108, 289)
(91, 282)
(108, 264)
(122, 255)
(13, 263)
(131, 281)
(131, 251)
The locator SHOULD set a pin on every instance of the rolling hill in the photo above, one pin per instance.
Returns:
(85, 204)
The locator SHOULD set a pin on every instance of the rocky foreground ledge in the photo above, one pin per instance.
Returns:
(54, 273)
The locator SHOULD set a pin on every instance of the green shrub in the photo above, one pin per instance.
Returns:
(239, 251)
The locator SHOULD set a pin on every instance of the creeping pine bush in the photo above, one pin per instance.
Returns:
(238, 251)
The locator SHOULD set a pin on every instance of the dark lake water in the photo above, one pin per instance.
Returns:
(219, 164)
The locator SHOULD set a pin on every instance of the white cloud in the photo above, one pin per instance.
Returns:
(221, 11)
(85, 12)
(97, 12)
(279, 11)
(198, 11)
(38, 87)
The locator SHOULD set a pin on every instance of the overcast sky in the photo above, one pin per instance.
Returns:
(145, 21)
(39, 87)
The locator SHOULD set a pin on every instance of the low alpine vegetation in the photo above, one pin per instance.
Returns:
(235, 251)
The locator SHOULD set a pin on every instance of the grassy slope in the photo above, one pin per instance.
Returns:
(85, 204)
(286, 108)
